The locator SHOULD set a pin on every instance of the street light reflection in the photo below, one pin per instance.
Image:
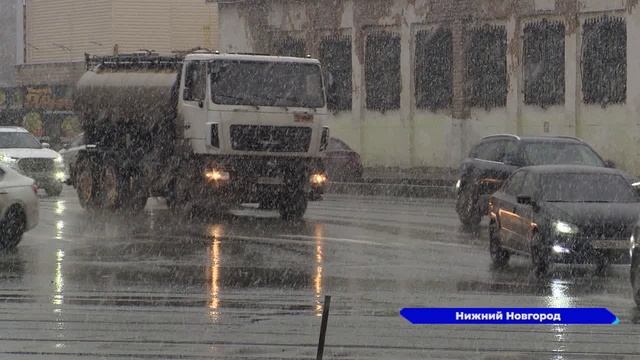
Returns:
(216, 232)
(60, 207)
(59, 228)
(317, 280)
(58, 297)
(559, 298)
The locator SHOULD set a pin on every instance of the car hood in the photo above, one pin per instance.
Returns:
(593, 214)
(29, 153)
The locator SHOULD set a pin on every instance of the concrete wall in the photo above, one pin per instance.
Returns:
(9, 35)
(410, 137)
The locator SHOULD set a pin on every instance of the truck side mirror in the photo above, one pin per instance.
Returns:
(187, 95)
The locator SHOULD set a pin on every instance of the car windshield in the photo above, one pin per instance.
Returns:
(580, 187)
(263, 83)
(20, 140)
(549, 153)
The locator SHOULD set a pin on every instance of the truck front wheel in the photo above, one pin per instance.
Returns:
(293, 205)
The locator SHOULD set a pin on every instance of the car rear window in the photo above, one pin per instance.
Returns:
(549, 153)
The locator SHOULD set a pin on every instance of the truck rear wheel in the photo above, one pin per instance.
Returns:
(111, 187)
(86, 184)
(292, 206)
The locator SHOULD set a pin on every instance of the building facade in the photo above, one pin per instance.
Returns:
(11, 54)
(417, 82)
(58, 33)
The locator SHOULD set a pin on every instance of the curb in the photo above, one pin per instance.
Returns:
(397, 190)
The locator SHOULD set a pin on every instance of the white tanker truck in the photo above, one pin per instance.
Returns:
(207, 131)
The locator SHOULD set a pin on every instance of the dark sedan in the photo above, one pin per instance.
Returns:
(342, 163)
(556, 213)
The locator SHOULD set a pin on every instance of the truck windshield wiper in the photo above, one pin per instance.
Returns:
(239, 100)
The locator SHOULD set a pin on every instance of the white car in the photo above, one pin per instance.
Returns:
(19, 206)
(24, 153)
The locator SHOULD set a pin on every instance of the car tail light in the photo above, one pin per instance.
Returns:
(34, 187)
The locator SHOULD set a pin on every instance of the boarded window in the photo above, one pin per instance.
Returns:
(544, 63)
(335, 56)
(289, 46)
(604, 61)
(486, 61)
(382, 71)
(434, 70)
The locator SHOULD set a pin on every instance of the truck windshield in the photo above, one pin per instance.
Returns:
(262, 83)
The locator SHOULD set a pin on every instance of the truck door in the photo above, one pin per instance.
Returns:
(194, 100)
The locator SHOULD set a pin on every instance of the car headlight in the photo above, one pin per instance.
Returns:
(58, 160)
(458, 184)
(4, 158)
(562, 227)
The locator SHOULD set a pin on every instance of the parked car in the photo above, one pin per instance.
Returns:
(496, 157)
(24, 153)
(19, 206)
(562, 213)
(70, 155)
(342, 163)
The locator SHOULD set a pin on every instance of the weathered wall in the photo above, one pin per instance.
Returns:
(410, 137)
(8, 41)
(64, 30)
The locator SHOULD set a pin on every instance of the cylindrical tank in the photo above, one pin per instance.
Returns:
(130, 95)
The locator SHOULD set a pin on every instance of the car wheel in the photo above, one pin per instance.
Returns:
(499, 256)
(635, 280)
(12, 227)
(53, 190)
(467, 208)
(539, 255)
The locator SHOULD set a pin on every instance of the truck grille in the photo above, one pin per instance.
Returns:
(34, 165)
(270, 138)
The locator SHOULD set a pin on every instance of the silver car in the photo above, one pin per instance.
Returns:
(19, 206)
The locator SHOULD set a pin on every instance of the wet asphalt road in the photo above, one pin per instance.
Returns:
(249, 286)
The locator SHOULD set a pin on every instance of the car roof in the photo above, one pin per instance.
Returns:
(13, 129)
(533, 139)
(570, 169)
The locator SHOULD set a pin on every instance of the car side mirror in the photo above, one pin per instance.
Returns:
(610, 164)
(46, 145)
(527, 200)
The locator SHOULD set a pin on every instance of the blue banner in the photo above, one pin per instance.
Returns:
(518, 316)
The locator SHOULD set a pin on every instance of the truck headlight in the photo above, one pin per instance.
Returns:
(562, 227)
(318, 179)
(217, 175)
